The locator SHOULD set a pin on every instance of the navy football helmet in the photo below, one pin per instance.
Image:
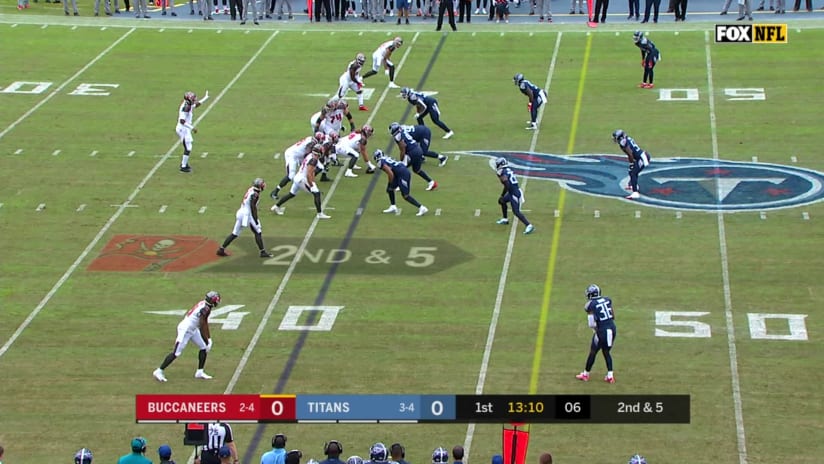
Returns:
(593, 291)
(354, 460)
(637, 459)
(618, 135)
(500, 163)
(518, 78)
(378, 156)
(440, 456)
(394, 128)
(378, 453)
(83, 456)
(637, 36)
(405, 92)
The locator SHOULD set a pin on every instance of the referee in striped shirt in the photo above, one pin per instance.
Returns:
(220, 434)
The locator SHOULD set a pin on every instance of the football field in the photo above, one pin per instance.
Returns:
(714, 271)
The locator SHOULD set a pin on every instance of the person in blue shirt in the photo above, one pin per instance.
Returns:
(400, 178)
(277, 455)
(601, 319)
(511, 195)
(638, 160)
(411, 153)
(649, 56)
(136, 456)
(423, 136)
(537, 97)
(426, 105)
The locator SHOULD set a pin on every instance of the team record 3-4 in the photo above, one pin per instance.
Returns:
(262, 408)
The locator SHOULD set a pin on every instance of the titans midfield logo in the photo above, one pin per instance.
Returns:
(677, 183)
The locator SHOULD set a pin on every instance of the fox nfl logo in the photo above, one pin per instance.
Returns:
(751, 33)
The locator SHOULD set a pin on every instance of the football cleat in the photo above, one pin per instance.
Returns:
(199, 374)
(363, 108)
(609, 379)
(185, 169)
(448, 135)
(502, 221)
(529, 229)
(349, 173)
(432, 186)
(442, 160)
(422, 210)
(265, 254)
(583, 376)
(633, 196)
(391, 209)
(158, 375)
(532, 126)
(274, 194)
(278, 209)
(593, 291)
(323, 216)
(393, 85)
(222, 252)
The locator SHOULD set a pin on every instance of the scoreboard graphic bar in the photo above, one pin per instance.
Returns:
(585, 409)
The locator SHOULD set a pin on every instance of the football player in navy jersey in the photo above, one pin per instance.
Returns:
(411, 150)
(638, 160)
(423, 136)
(425, 105)
(399, 177)
(649, 56)
(512, 195)
(537, 97)
(601, 318)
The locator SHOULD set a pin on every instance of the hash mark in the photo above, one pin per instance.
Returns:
(793, 159)
(56, 152)
(162, 209)
(805, 215)
(597, 214)
(477, 212)
(93, 153)
(161, 29)
(205, 154)
(457, 157)
(240, 155)
(277, 155)
(40, 207)
(81, 208)
(678, 215)
(763, 215)
(131, 153)
(557, 213)
(202, 210)
(18, 151)
(44, 26)
(438, 212)
(359, 212)
(637, 214)
(754, 159)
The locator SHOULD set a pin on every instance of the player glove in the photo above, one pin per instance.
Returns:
(529, 106)
(360, 85)
(631, 165)
(314, 188)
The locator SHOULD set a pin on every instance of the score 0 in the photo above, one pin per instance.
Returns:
(277, 408)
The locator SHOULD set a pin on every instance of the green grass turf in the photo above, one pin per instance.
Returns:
(71, 375)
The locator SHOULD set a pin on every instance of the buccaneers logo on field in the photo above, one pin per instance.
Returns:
(166, 253)
(676, 183)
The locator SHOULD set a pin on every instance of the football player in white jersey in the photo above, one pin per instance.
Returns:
(194, 327)
(185, 127)
(330, 118)
(293, 156)
(247, 216)
(305, 180)
(354, 146)
(351, 79)
(381, 58)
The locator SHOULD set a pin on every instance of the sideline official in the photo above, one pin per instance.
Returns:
(219, 435)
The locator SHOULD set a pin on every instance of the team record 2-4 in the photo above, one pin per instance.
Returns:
(593, 409)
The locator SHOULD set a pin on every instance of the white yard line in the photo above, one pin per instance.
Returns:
(122, 207)
(64, 84)
(244, 359)
(725, 275)
(510, 245)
